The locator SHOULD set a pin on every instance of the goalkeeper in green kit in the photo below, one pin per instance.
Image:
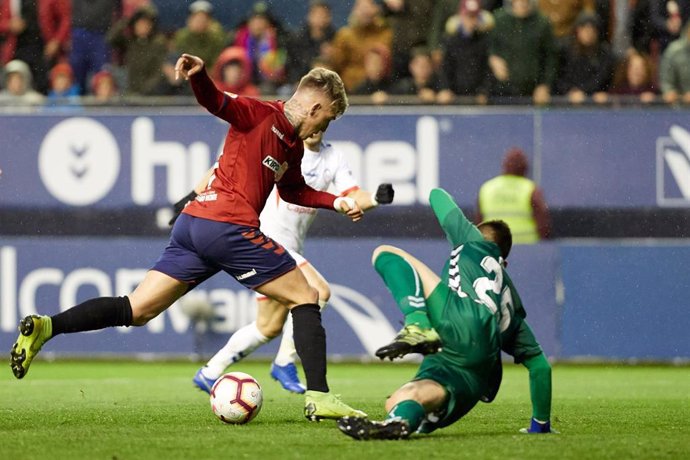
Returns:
(461, 322)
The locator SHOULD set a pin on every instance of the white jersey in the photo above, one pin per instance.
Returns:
(288, 223)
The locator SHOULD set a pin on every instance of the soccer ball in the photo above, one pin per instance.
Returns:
(236, 398)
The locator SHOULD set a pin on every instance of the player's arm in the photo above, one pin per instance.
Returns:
(238, 111)
(294, 190)
(457, 228)
(523, 346)
(368, 200)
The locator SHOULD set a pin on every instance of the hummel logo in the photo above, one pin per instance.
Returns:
(277, 132)
(674, 154)
(244, 276)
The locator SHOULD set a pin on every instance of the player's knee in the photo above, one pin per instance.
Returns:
(140, 318)
(380, 250)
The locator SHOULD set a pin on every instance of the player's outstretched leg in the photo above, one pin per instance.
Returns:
(364, 429)
(34, 331)
(411, 339)
(319, 406)
(406, 286)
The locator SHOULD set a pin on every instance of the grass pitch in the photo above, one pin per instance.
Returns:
(125, 410)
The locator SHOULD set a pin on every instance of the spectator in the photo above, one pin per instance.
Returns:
(587, 63)
(366, 28)
(18, 86)
(377, 70)
(143, 49)
(442, 11)
(674, 74)
(36, 33)
(563, 13)
(232, 72)
(91, 20)
(423, 82)
(63, 90)
(410, 21)
(259, 37)
(667, 18)
(104, 87)
(640, 25)
(465, 67)
(203, 36)
(522, 53)
(516, 200)
(311, 42)
(634, 76)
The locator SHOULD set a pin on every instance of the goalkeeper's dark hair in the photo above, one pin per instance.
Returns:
(498, 232)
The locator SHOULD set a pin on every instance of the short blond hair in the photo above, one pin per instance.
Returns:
(329, 83)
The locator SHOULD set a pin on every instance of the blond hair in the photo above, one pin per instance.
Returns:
(329, 83)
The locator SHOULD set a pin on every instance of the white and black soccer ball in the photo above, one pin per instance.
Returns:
(236, 398)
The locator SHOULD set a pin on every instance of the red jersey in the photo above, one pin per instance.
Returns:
(261, 149)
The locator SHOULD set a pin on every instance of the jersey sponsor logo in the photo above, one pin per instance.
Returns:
(244, 276)
(277, 132)
(673, 168)
(232, 95)
(273, 164)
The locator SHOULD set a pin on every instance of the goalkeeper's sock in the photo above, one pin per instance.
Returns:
(405, 285)
(244, 341)
(310, 342)
(410, 411)
(287, 353)
(93, 314)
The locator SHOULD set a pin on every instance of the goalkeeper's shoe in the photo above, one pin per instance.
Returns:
(287, 377)
(537, 427)
(34, 331)
(411, 339)
(364, 429)
(202, 382)
(319, 406)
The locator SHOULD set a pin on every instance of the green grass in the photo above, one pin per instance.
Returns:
(125, 410)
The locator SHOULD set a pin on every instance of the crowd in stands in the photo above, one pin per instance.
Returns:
(71, 52)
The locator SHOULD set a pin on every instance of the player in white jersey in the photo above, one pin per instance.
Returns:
(322, 167)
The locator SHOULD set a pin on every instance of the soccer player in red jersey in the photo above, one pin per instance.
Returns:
(219, 229)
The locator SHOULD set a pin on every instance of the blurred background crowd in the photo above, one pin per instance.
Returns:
(81, 52)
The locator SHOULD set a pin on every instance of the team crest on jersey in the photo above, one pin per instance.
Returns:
(273, 164)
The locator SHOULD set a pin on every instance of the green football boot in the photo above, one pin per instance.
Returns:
(364, 429)
(411, 339)
(319, 406)
(34, 331)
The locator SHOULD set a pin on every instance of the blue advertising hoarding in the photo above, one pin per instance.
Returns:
(595, 300)
(582, 159)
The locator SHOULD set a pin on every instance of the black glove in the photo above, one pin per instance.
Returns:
(179, 206)
(384, 194)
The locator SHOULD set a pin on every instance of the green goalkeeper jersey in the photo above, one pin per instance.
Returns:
(475, 271)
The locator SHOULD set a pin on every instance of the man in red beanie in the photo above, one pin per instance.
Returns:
(516, 199)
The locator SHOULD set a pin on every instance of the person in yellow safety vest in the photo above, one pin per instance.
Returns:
(515, 199)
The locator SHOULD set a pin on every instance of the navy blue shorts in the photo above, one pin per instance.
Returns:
(200, 248)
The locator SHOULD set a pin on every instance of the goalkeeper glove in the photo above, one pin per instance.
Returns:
(384, 194)
(179, 206)
(537, 427)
